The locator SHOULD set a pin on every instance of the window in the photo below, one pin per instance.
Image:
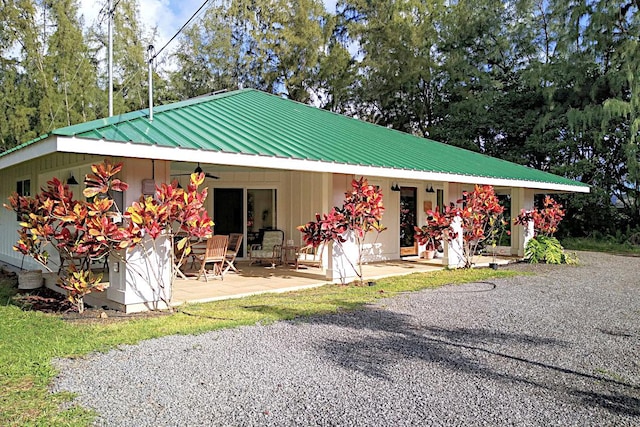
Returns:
(23, 187)
(440, 200)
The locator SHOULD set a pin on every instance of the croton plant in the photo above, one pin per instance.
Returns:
(360, 214)
(88, 230)
(480, 217)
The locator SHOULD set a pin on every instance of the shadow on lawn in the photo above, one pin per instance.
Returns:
(479, 352)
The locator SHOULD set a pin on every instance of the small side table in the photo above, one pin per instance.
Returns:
(290, 255)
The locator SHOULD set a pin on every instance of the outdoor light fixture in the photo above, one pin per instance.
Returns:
(395, 187)
(72, 180)
(430, 189)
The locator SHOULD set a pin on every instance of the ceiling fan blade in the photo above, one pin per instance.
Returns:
(198, 170)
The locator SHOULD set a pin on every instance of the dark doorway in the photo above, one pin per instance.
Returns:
(408, 216)
(228, 213)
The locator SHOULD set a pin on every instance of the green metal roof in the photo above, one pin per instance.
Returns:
(253, 122)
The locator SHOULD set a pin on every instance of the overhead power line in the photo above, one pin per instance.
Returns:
(180, 30)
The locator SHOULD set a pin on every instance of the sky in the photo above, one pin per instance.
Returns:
(167, 15)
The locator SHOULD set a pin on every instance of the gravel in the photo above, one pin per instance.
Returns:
(560, 347)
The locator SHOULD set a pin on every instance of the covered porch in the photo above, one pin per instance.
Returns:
(258, 279)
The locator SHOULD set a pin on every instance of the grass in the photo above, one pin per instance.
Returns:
(606, 244)
(31, 339)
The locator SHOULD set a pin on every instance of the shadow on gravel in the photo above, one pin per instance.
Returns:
(615, 402)
(479, 352)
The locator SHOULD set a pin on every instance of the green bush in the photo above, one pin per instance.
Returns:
(546, 249)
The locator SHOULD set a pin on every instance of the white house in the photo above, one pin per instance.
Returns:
(271, 163)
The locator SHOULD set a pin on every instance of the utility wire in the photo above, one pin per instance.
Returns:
(180, 30)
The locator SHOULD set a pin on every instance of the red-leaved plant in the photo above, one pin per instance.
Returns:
(86, 231)
(543, 246)
(360, 213)
(545, 220)
(480, 215)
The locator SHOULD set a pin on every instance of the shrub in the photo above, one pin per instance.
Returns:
(543, 247)
(548, 250)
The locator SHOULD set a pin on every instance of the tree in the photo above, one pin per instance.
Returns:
(398, 72)
(47, 77)
(130, 42)
(272, 46)
(70, 92)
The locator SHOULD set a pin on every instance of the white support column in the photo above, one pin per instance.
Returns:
(343, 261)
(521, 198)
(453, 251)
(144, 278)
(342, 258)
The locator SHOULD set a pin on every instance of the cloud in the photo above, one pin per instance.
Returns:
(165, 15)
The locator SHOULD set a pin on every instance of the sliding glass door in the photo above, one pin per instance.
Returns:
(247, 211)
(261, 213)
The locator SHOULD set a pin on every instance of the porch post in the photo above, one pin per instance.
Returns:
(453, 256)
(343, 261)
(342, 258)
(521, 198)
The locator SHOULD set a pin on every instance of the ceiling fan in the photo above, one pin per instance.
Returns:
(198, 169)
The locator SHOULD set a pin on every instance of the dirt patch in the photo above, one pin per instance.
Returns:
(47, 301)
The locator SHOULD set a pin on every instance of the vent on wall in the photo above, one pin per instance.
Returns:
(148, 187)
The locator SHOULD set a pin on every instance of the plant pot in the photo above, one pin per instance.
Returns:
(31, 279)
(428, 254)
(493, 265)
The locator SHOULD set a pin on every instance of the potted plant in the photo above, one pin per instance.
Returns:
(431, 234)
(360, 214)
(29, 279)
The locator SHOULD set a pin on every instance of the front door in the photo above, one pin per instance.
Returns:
(408, 215)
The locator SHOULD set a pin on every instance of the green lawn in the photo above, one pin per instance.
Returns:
(605, 244)
(31, 339)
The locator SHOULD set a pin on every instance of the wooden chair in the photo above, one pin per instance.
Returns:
(198, 249)
(310, 256)
(215, 254)
(269, 250)
(235, 240)
(82, 262)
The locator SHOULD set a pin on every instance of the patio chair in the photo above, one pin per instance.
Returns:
(235, 240)
(215, 254)
(310, 256)
(81, 261)
(269, 250)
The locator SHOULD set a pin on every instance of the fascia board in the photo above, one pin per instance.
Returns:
(146, 151)
(30, 152)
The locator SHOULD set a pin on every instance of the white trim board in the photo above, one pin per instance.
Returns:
(145, 151)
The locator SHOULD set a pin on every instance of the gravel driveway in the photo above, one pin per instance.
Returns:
(557, 348)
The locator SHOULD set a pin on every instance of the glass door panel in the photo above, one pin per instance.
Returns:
(228, 214)
(408, 215)
(261, 213)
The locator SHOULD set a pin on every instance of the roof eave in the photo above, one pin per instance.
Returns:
(29, 151)
(145, 151)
